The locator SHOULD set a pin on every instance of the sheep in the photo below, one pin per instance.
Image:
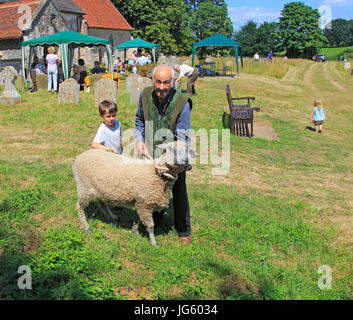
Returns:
(117, 180)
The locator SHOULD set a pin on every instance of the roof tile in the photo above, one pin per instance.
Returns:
(103, 14)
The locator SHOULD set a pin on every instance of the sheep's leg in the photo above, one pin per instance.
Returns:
(106, 211)
(147, 220)
(82, 217)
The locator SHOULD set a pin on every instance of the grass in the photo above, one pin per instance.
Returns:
(261, 232)
(333, 53)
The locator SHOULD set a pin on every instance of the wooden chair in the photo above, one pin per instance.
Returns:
(241, 115)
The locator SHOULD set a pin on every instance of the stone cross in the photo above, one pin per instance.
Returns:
(105, 89)
(69, 91)
(10, 95)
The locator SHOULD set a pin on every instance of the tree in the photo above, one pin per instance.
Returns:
(340, 34)
(160, 21)
(253, 38)
(247, 37)
(208, 17)
(298, 31)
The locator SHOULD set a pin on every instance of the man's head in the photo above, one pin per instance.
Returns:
(163, 80)
(35, 59)
(96, 64)
(177, 68)
(76, 68)
(81, 62)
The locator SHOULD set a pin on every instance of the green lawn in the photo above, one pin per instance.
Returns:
(260, 232)
(333, 53)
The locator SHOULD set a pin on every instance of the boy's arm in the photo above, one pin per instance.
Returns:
(96, 145)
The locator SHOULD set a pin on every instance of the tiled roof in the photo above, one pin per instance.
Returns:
(68, 6)
(13, 17)
(103, 14)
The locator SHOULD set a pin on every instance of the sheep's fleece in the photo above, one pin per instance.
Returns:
(125, 182)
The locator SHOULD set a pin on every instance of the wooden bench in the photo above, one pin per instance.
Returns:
(240, 115)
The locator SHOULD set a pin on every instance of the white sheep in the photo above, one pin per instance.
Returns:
(125, 182)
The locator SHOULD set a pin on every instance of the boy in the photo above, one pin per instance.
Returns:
(109, 133)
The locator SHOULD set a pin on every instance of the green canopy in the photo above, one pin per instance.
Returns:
(139, 43)
(67, 42)
(219, 40)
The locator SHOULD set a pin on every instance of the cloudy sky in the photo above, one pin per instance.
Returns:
(259, 11)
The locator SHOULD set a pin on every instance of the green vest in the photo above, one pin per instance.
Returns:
(171, 111)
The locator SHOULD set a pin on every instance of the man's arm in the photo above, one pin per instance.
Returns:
(140, 129)
(183, 125)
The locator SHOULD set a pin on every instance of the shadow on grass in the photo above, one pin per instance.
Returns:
(126, 217)
(310, 128)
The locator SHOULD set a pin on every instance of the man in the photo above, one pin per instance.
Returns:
(143, 60)
(192, 73)
(167, 108)
(79, 76)
(270, 56)
(97, 69)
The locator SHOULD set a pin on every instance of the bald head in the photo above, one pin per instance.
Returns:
(163, 80)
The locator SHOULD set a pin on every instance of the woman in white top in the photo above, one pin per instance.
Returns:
(52, 69)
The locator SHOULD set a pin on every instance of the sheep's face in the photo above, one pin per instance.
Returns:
(178, 156)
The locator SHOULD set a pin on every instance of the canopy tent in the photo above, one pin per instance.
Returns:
(67, 42)
(139, 43)
(219, 40)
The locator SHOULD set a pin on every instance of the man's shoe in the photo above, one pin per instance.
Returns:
(185, 240)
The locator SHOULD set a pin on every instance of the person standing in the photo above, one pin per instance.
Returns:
(270, 56)
(256, 57)
(167, 108)
(318, 115)
(52, 61)
(192, 73)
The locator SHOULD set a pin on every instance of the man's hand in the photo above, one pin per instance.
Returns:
(142, 149)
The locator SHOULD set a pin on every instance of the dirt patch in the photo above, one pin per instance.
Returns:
(264, 130)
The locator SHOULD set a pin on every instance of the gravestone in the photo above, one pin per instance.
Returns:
(173, 61)
(42, 81)
(105, 89)
(130, 80)
(93, 79)
(352, 72)
(162, 59)
(347, 65)
(10, 96)
(69, 92)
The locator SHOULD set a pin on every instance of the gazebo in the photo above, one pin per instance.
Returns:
(67, 41)
(139, 43)
(219, 40)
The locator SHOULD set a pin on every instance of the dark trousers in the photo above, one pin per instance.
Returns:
(190, 86)
(181, 206)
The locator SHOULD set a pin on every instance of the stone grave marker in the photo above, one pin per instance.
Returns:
(10, 96)
(105, 89)
(347, 65)
(42, 81)
(93, 79)
(69, 92)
